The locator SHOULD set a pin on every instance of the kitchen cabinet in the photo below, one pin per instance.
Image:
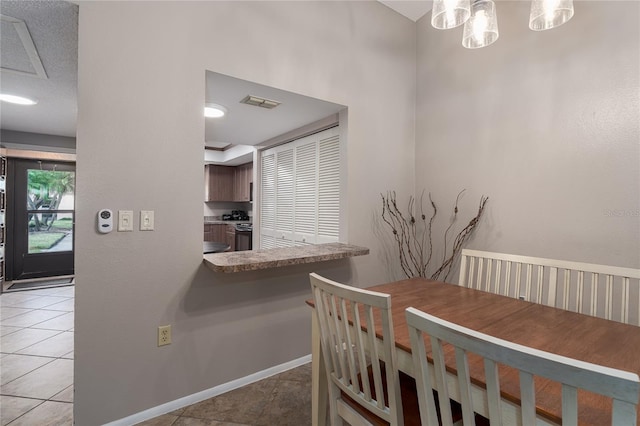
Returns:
(215, 232)
(231, 237)
(225, 183)
(243, 177)
(219, 183)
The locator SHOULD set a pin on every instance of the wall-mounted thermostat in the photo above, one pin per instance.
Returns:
(105, 221)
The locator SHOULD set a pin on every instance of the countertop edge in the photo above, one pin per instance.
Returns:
(280, 257)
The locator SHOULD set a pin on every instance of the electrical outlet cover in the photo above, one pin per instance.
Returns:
(164, 335)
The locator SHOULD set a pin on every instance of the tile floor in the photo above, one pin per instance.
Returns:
(282, 400)
(36, 368)
(36, 357)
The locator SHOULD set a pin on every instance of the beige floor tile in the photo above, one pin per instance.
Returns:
(64, 396)
(43, 382)
(66, 305)
(13, 366)
(290, 406)
(63, 322)
(68, 356)
(232, 406)
(12, 311)
(190, 421)
(4, 330)
(23, 338)
(69, 291)
(49, 413)
(9, 299)
(40, 302)
(164, 420)
(31, 318)
(13, 407)
(55, 346)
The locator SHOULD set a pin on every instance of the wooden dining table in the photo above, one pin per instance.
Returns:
(599, 341)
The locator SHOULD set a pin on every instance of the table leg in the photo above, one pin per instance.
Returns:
(319, 389)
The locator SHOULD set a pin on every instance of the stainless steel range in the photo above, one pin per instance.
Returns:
(244, 236)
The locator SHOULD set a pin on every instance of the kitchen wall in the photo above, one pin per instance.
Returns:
(140, 135)
(546, 124)
(215, 208)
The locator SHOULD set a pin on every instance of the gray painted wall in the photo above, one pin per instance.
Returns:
(546, 124)
(140, 137)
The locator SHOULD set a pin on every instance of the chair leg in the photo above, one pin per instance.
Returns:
(334, 396)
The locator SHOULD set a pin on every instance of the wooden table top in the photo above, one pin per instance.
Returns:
(574, 335)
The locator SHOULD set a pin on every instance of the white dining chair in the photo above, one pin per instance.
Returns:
(621, 386)
(353, 357)
(603, 291)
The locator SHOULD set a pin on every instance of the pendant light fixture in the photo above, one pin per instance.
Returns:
(547, 14)
(448, 14)
(481, 20)
(481, 29)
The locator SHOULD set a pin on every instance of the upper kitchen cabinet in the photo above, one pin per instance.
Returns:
(219, 183)
(242, 183)
(225, 183)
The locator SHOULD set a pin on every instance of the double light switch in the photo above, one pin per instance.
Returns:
(125, 220)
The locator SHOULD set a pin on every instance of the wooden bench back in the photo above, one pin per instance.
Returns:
(603, 291)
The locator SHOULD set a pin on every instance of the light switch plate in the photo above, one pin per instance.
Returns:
(146, 220)
(125, 220)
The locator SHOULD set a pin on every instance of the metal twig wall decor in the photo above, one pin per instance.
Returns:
(412, 233)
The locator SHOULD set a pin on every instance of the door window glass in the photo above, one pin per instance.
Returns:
(50, 205)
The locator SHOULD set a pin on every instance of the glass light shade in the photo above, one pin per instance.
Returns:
(482, 27)
(447, 14)
(547, 14)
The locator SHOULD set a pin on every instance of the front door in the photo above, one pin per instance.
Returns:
(41, 219)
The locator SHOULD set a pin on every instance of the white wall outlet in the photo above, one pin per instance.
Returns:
(164, 335)
(146, 220)
(125, 220)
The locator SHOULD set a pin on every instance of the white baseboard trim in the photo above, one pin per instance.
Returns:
(208, 393)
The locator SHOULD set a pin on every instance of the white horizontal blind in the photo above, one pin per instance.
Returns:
(284, 192)
(329, 189)
(300, 191)
(306, 184)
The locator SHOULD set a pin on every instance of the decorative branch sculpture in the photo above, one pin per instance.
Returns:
(412, 235)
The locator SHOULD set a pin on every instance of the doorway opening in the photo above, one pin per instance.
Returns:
(40, 223)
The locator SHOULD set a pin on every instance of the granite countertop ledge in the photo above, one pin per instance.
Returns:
(254, 260)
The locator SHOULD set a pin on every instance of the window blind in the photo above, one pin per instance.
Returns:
(300, 191)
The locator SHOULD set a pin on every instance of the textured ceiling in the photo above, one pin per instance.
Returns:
(53, 26)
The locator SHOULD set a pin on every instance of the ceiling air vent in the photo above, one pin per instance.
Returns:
(260, 102)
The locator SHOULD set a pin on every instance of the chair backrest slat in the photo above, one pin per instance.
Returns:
(353, 356)
(527, 398)
(569, 405)
(621, 386)
(600, 290)
(360, 349)
(441, 382)
(426, 400)
(493, 387)
(464, 383)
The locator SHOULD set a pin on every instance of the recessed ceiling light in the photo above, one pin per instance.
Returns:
(19, 100)
(214, 111)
